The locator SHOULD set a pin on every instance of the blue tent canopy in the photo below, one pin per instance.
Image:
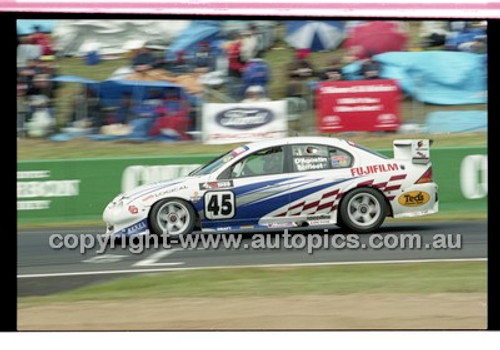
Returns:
(195, 33)
(110, 91)
(26, 26)
(314, 35)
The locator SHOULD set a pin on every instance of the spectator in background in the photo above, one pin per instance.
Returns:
(42, 86)
(204, 58)
(249, 44)
(22, 109)
(146, 113)
(256, 72)
(47, 65)
(181, 62)
(27, 51)
(298, 72)
(124, 113)
(28, 73)
(255, 93)
(42, 39)
(333, 72)
(235, 67)
(236, 62)
(370, 69)
(173, 121)
(143, 60)
(40, 120)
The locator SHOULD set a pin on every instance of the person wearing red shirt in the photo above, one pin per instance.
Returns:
(236, 64)
(42, 39)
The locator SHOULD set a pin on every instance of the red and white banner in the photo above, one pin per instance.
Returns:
(360, 105)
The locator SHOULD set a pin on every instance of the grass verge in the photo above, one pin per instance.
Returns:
(444, 277)
(35, 149)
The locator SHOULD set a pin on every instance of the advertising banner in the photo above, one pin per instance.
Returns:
(79, 189)
(360, 105)
(242, 122)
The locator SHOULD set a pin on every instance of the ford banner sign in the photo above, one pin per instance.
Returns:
(244, 118)
(237, 122)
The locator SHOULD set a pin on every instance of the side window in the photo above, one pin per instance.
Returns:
(318, 157)
(339, 158)
(310, 157)
(265, 162)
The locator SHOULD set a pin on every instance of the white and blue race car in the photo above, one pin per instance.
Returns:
(290, 182)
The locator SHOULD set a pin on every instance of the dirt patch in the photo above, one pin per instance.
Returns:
(362, 311)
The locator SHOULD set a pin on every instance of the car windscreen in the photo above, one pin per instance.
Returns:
(218, 162)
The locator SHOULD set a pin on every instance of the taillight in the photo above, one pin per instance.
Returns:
(426, 177)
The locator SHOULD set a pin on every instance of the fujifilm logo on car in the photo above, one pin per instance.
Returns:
(244, 118)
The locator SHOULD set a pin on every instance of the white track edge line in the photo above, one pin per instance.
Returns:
(109, 272)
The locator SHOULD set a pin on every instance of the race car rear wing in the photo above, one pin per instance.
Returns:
(416, 150)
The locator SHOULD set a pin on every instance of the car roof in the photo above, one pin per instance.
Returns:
(331, 141)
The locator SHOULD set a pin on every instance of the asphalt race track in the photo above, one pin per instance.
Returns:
(43, 270)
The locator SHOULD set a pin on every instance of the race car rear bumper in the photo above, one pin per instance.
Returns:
(417, 200)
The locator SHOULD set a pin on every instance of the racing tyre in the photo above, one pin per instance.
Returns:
(172, 216)
(340, 223)
(363, 210)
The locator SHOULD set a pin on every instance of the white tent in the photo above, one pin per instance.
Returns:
(314, 35)
(75, 37)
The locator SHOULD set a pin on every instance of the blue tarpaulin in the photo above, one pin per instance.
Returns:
(456, 121)
(26, 26)
(110, 91)
(436, 77)
(195, 33)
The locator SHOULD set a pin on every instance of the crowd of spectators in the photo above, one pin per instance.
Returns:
(464, 36)
(36, 66)
(166, 113)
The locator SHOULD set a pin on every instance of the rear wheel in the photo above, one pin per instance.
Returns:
(172, 216)
(362, 210)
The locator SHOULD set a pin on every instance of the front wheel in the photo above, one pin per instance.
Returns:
(172, 216)
(363, 210)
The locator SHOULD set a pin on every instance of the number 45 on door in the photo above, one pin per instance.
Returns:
(219, 205)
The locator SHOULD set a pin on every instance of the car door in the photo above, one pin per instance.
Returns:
(257, 188)
(325, 170)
